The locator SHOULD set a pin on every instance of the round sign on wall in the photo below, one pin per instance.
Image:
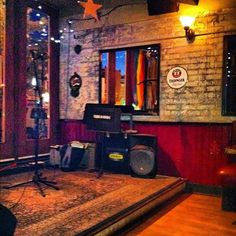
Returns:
(177, 77)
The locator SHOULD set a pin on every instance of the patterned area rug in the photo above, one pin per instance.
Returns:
(82, 201)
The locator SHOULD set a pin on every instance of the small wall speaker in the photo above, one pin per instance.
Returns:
(190, 2)
(157, 7)
(143, 155)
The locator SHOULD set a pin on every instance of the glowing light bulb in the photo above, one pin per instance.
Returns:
(45, 97)
(33, 82)
(187, 20)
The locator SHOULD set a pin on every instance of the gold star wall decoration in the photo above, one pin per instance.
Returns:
(90, 8)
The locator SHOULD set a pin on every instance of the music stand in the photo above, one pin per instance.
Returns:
(105, 119)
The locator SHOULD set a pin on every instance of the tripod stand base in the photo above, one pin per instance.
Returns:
(100, 173)
(38, 181)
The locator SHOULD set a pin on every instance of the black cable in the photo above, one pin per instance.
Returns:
(107, 13)
(22, 194)
(53, 177)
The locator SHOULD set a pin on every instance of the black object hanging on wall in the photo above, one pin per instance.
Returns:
(77, 49)
(190, 2)
(158, 7)
(75, 83)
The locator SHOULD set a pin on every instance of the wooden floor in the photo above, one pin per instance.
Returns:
(188, 215)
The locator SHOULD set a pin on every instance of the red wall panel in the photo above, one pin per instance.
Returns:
(75, 130)
(191, 150)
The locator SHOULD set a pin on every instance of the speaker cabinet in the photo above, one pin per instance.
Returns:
(116, 153)
(142, 155)
(133, 154)
(157, 7)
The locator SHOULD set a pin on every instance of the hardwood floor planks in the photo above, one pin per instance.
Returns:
(189, 215)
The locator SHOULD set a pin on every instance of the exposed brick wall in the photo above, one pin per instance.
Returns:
(199, 100)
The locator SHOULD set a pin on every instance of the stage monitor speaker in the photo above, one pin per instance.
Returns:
(143, 155)
(8, 221)
(158, 7)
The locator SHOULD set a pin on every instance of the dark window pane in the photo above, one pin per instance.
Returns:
(229, 76)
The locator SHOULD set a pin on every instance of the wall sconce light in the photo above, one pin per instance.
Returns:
(187, 21)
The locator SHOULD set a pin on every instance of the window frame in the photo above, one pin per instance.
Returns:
(16, 145)
(113, 50)
(228, 107)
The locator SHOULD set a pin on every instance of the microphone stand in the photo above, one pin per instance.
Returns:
(37, 114)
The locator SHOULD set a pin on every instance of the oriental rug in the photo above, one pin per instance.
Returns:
(82, 201)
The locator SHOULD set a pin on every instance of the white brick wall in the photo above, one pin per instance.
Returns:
(199, 100)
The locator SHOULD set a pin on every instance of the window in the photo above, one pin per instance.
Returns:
(130, 76)
(229, 76)
(28, 31)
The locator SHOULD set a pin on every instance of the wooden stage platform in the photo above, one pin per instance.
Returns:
(84, 204)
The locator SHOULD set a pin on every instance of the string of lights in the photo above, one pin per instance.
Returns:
(70, 21)
(37, 15)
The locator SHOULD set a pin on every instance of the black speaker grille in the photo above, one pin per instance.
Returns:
(142, 160)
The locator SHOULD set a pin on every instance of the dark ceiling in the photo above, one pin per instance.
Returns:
(106, 3)
(61, 3)
(70, 7)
